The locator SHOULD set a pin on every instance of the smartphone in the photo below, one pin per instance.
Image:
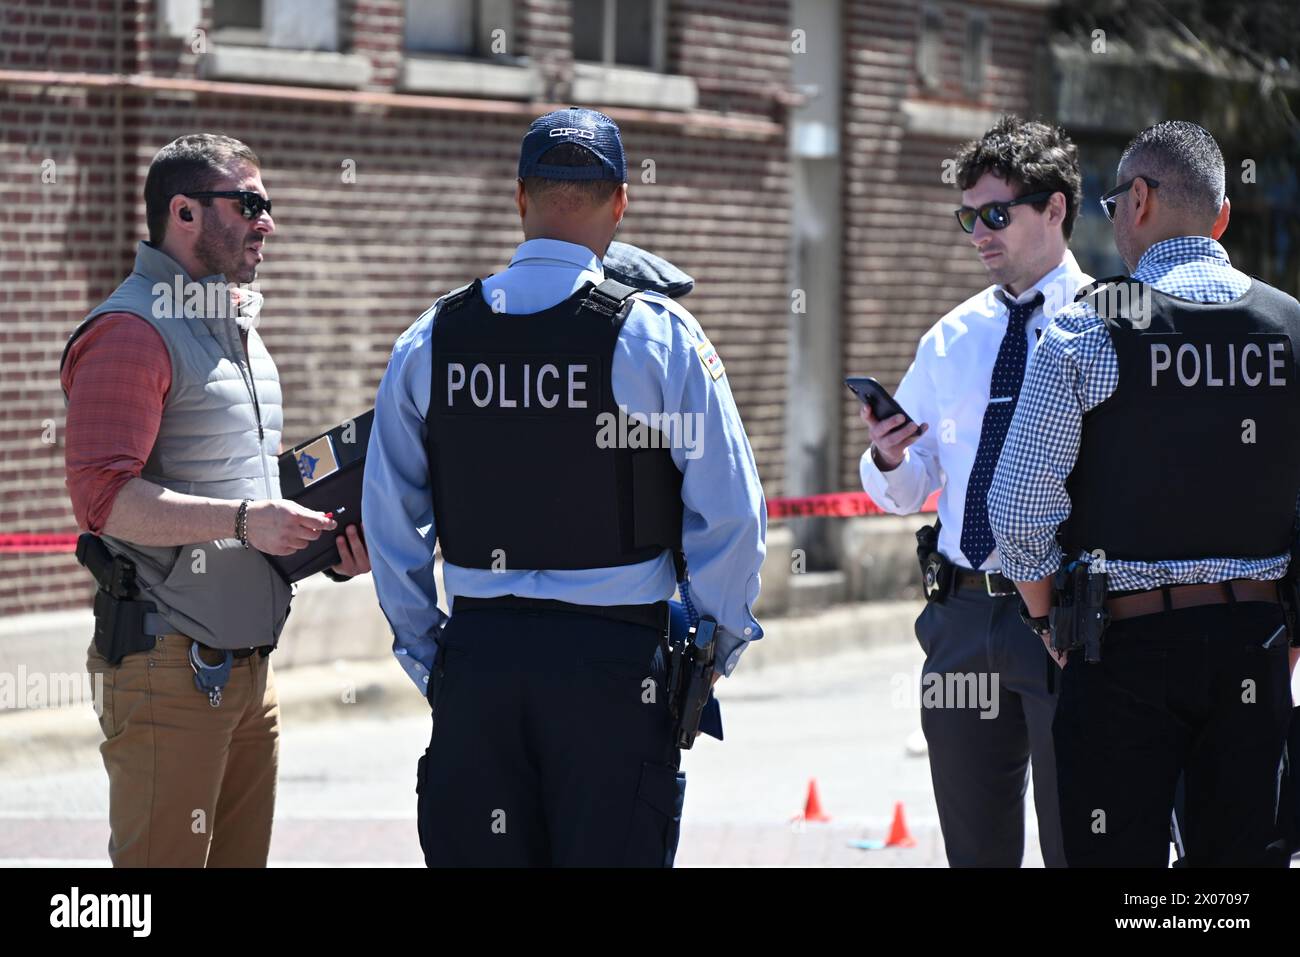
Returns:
(875, 397)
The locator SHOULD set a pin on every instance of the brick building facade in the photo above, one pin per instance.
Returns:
(357, 257)
(776, 168)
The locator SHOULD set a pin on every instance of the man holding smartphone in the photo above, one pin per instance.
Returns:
(1021, 189)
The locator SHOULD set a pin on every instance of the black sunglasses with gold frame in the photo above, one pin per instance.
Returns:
(1110, 199)
(996, 215)
(250, 204)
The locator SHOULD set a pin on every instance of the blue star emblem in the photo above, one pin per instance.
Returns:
(307, 466)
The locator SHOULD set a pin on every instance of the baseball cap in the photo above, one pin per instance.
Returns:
(593, 131)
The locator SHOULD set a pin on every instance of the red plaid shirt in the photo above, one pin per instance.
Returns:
(116, 378)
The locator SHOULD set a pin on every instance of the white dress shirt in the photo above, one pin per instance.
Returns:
(947, 387)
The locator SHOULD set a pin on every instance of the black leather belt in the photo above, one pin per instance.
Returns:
(994, 584)
(651, 616)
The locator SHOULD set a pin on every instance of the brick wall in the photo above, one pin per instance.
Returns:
(545, 29)
(906, 263)
(352, 264)
(739, 53)
(60, 249)
(375, 29)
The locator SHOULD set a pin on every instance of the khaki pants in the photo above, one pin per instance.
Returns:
(190, 785)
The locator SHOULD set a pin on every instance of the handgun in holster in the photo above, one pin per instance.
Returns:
(1078, 617)
(690, 680)
(119, 615)
(936, 570)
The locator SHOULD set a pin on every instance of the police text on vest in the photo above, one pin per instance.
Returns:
(1219, 364)
(535, 386)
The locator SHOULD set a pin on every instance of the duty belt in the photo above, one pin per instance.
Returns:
(651, 616)
(994, 584)
(1172, 598)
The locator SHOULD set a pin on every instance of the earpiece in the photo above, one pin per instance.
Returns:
(186, 214)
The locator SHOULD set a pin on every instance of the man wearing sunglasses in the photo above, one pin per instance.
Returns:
(173, 431)
(1020, 187)
(1113, 467)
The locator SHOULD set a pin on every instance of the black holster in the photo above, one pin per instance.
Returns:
(690, 680)
(936, 570)
(119, 614)
(1078, 616)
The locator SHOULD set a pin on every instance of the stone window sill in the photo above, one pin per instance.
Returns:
(289, 67)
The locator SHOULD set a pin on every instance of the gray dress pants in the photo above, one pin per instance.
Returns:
(988, 697)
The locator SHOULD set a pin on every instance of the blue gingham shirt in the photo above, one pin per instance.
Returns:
(1073, 370)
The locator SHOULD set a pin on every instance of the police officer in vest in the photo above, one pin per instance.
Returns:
(561, 436)
(173, 430)
(1164, 601)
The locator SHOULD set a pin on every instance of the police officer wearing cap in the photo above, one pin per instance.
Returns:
(506, 429)
(1141, 398)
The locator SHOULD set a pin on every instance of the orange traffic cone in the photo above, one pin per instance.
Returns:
(812, 808)
(898, 833)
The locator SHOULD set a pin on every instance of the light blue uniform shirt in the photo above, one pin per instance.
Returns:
(659, 367)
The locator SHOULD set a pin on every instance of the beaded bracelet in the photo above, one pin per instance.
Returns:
(241, 522)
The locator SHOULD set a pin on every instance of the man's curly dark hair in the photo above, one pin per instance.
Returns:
(1034, 156)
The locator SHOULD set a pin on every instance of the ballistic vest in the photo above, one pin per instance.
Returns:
(1196, 454)
(531, 462)
(219, 437)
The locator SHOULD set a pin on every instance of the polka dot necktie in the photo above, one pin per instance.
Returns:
(1008, 373)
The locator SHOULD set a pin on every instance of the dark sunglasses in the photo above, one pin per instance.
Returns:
(1110, 199)
(250, 204)
(995, 215)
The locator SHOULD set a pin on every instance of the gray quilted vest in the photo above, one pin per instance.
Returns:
(219, 438)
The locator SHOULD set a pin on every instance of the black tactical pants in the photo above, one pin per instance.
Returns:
(1190, 692)
(551, 745)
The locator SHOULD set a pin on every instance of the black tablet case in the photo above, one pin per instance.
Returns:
(308, 477)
